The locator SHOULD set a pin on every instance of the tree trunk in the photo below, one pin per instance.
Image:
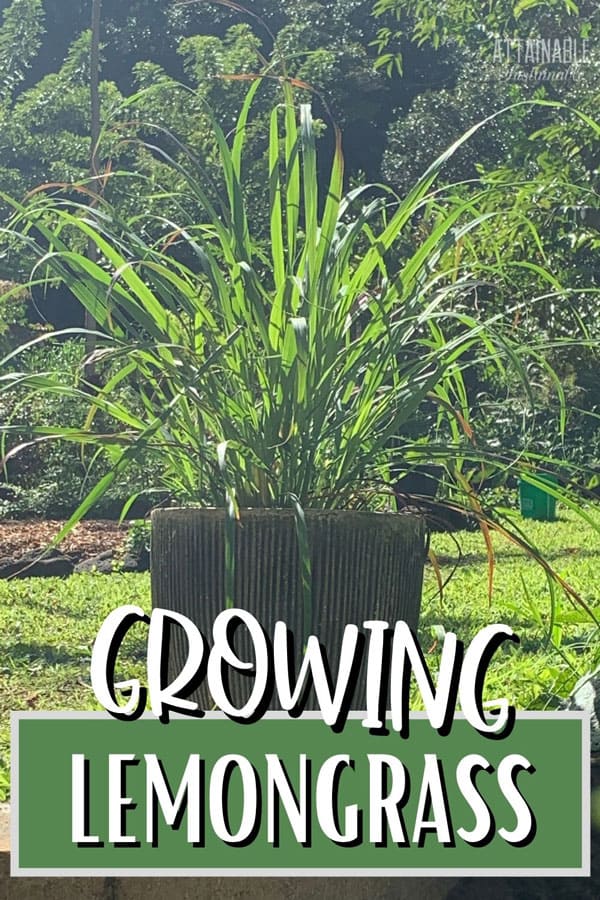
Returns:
(92, 252)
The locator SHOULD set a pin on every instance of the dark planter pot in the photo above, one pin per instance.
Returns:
(422, 481)
(364, 566)
(417, 491)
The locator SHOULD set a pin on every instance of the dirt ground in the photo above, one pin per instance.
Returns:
(87, 538)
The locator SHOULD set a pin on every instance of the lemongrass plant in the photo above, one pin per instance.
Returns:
(283, 371)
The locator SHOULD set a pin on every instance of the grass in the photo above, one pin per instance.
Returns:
(47, 626)
(532, 673)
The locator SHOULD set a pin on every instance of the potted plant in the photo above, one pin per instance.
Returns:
(277, 381)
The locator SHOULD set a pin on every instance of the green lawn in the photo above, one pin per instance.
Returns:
(47, 626)
(532, 672)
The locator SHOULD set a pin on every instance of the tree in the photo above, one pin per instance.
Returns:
(470, 23)
(20, 39)
(90, 322)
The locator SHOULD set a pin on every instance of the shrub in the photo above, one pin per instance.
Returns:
(46, 479)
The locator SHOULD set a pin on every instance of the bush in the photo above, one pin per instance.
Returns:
(13, 315)
(47, 479)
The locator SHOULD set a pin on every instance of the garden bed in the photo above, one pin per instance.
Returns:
(87, 539)
(97, 545)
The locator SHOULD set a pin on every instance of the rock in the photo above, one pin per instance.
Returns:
(133, 562)
(36, 564)
(108, 562)
(101, 563)
(586, 696)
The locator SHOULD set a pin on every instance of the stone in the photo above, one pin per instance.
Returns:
(586, 696)
(101, 563)
(36, 564)
(136, 562)
(108, 562)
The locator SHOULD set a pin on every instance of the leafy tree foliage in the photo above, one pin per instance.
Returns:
(402, 84)
(470, 23)
(20, 39)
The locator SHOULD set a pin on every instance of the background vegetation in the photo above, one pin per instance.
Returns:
(403, 79)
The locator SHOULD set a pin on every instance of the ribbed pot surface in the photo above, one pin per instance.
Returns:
(364, 566)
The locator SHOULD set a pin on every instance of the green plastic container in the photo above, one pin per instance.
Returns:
(535, 503)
